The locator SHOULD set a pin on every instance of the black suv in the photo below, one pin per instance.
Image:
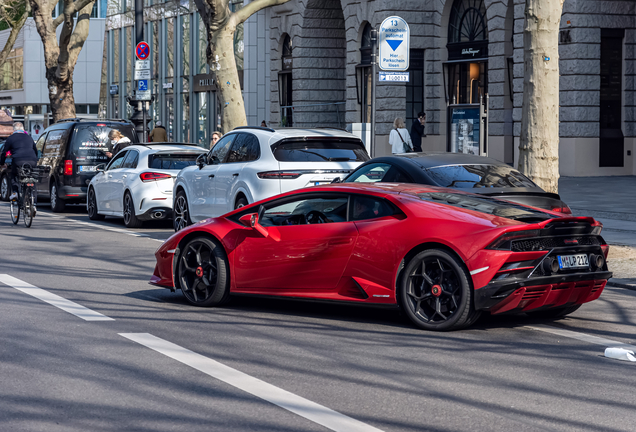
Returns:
(70, 151)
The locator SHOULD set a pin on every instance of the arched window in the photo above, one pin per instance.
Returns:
(467, 22)
(285, 83)
(364, 75)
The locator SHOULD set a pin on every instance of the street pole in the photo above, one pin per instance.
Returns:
(374, 73)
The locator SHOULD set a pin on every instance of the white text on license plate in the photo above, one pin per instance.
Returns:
(87, 168)
(573, 261)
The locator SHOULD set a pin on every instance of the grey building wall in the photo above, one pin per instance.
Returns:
(256, 71)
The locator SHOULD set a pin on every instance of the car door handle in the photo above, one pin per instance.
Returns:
(235, 175)
(124, 176)
(110, 176)
(211, 176)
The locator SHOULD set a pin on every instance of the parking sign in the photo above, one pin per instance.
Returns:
(394, 42)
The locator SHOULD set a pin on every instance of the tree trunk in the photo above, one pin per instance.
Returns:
(227, 79)
(61, 97)
(539, 143)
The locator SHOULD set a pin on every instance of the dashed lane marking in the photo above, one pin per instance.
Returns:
(582, 337)
(296, 404)
(54, 299)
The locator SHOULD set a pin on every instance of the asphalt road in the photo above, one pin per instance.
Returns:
(125, 355)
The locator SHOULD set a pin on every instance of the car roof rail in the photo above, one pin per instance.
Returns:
(168, 143)
(314, 127)
(268, 129)
(68, 120)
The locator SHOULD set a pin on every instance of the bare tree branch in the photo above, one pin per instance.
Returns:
(251, 8)
(15, 22)
(71, 8)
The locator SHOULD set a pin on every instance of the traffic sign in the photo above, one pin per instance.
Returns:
(394, 42)
(394, 76)
(142, 74)
(142, 85)
(142, 50)
(142, 64)
(143, 95)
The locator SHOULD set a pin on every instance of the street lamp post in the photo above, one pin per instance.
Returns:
(374, 63)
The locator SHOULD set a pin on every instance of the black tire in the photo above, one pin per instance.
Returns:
(241, 202)
(91, 206)
(435, 292)
(15, 211)
(554, 313)
(57, 203)
(130, 218)
(180, 212)
(203, 273)
(28, 208)
(5, 188)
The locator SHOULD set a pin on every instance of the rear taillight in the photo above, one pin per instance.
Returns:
(68, 167)
(279, 174)
(504, 242)
(562, 209)
(153, 176)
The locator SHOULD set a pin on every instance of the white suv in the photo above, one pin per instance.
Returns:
(253, 163)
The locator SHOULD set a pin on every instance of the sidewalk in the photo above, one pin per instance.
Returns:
(611, 200)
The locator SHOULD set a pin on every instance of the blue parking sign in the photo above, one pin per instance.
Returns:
(142, 85)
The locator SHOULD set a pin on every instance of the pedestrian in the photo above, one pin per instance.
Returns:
(263, 124)
(399, 138)
(417, 131)
(158, 134)
(22, 149)
(216, 135)
(118, 141)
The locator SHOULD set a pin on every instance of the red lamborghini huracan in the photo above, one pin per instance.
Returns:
(442, 255)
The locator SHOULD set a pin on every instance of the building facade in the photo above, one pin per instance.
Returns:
(183, 89)
(466, 72)
(23, 84)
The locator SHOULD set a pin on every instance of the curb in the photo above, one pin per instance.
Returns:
(623, 283)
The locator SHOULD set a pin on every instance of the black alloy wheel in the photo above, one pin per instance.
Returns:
(5, 189)
(203, 273)
(28, 208)
(241, 202)
(91, 206)
(436, 293)
(130, 218)
(15, 211)
(181, 215)
(57, 204)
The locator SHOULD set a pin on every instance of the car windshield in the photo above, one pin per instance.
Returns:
(172, 161)
(320, 151)
(478, 176)
(91, 142)
(484, 204)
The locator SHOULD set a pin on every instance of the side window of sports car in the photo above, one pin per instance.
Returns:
(117, 161)
(367, 207)
(131, 160)
(221, 148)
(370, 173)
(307, 211)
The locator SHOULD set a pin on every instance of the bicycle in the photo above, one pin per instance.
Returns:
(26, 191)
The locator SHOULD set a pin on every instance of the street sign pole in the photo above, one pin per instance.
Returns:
(374, 66)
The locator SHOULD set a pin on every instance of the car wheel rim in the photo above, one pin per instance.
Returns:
(127, 209)
(91, 203)
(4, 188)
(53, 196)
(198, 272)
(433, 292)
(180, 213)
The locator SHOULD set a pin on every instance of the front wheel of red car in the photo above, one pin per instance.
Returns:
(204, 273)
(435, 292)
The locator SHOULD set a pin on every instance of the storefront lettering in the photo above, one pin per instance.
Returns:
(470, 51)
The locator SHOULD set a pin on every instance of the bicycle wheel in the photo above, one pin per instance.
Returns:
(15, 211)
(29, 207)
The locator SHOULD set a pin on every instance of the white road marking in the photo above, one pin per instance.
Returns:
(296, 404)
(54, 299)
(582, 337)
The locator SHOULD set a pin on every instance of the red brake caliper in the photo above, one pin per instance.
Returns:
(436, 290)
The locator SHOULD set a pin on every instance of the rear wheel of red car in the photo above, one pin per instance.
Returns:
(203, 272)
(558, 312)
(435, 292)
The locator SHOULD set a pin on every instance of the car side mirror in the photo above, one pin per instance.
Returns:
(336, 180)
(250, 220)
(215, 160)
(201, 160)
(100, 167)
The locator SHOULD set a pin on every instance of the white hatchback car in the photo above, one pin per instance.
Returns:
(137, 183)
(253, 163)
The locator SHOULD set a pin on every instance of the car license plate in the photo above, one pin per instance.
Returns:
(573, 261)
(87, 168)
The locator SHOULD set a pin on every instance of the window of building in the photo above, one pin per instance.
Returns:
(11, 72)
(285, 84)
(467, 22)
(415, 87)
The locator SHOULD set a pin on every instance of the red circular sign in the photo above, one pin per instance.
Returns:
(142, 51)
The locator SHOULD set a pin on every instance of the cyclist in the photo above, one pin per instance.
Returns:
(22, 149)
